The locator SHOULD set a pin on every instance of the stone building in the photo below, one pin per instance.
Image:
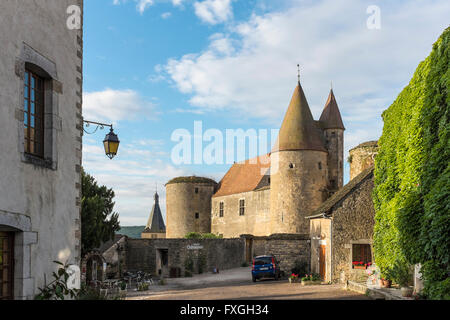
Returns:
(41, 129)
(342, 227)
(270, 194)
(155, 226)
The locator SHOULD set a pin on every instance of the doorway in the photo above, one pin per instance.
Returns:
(162, 262)
(6, 265)
(322, 262)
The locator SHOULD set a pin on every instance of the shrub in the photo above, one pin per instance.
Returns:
(300, 267)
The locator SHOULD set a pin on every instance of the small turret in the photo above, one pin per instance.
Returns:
(333, 132)
(155, 226)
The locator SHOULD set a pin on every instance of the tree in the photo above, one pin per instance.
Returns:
(412, 176)
(98, 222)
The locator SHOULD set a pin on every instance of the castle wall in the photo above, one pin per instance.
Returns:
(182, 205)
(296, 191)
(206, 254)
(289, 249)
(256, 220)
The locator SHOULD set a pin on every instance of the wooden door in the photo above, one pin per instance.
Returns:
(322, 263)
(6, 265)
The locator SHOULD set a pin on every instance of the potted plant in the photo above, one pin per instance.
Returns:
(122, 289)
(293, 278)
(401, 275)
(386, 279)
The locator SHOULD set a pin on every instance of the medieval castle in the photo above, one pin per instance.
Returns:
(272, 194)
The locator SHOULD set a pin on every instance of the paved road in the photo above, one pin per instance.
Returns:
(237, 284)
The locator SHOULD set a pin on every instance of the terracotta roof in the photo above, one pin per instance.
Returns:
(155, 223)
(299, 130)
(245, 176)
(192, 179)
(331, 117)
(342, 193)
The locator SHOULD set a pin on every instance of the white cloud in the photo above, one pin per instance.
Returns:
(116, 105)
(166, 15)
(252, 70)
(214, 11)
(141, 5)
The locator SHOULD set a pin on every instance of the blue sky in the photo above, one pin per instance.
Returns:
(152, 67)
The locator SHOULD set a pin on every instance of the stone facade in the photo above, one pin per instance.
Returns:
(188, 208)
(362, 157)
(256, 218)
(40, 196)
(347, 220)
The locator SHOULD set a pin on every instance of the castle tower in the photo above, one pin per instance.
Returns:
(333, 131)
(298, 169)
(362, 157)
(155, 228)
(188, 205)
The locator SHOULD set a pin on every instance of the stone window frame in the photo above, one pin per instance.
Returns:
(242, 214)
(221, 209)
(350, 246)
(32, 60)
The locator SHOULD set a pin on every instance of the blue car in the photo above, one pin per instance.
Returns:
(265, 267)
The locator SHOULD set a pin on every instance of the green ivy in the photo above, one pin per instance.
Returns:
(412, 176)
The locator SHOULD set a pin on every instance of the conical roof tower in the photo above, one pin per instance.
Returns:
(331, 116)
(299, 130)
(155, 223)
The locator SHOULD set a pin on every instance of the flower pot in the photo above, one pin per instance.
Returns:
(292, 280)
(360, 267)
(406, 291)
(385, 283)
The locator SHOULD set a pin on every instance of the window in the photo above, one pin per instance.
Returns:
(320, 165)
(196, 190)
(221, 206)
(362, 255)
(242, 207)
(197, 215)
(6, 265)
(34, 114)
(291, 165)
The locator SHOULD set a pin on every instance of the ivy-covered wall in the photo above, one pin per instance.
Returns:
(412, 176)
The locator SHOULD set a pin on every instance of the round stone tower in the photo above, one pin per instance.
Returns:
(362, 157)
(298, 169)
(188, 205)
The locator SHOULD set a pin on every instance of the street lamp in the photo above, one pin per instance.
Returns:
(111, 142)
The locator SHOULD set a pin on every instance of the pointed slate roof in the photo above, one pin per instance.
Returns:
(331, 117)
(299, 130)
(155, 223)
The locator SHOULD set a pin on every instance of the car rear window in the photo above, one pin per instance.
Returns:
(261, 261)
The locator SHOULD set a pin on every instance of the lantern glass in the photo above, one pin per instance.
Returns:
(111, 144)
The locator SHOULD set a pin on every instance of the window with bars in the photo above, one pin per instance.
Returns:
(6, 265)
(362, 255)
(221, 207)
(34, 114)
(242, 207)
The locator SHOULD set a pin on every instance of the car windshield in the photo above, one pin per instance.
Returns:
(264, 260)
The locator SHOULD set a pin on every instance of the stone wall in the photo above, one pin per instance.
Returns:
(353, 223)
(40, 198)
(255, 221)
(142, 254)
(287, 248)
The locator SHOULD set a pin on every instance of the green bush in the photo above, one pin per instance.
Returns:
(412, 176)
(198, 235)
(300, 268)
